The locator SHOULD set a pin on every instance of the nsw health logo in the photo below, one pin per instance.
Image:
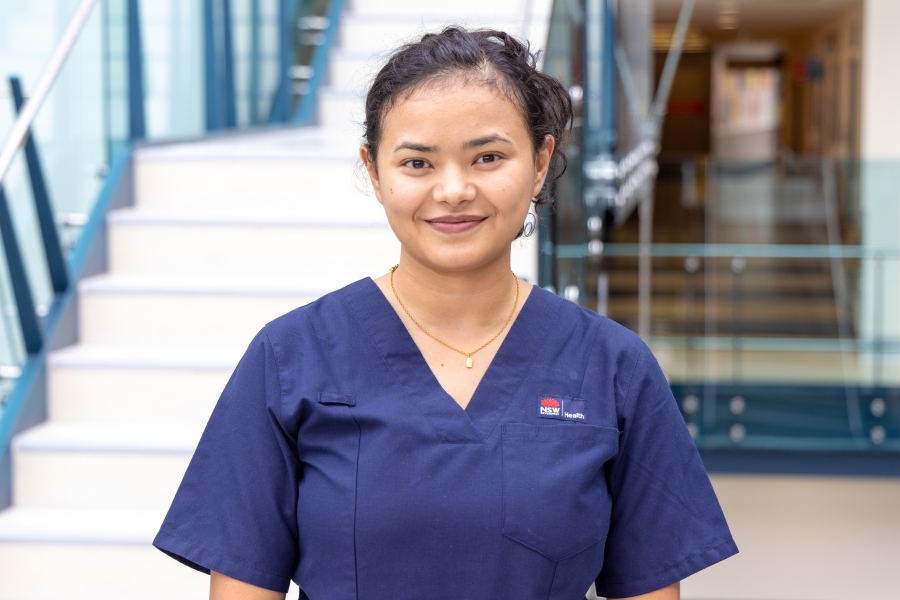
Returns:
(567, 409)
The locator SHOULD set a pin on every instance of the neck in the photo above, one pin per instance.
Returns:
(469, 300)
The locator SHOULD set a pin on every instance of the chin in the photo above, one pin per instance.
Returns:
(464, 261)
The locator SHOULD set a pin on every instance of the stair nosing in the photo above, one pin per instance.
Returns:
(139, 216)
(170, 357)
(129, 527)
(112, 438)
(128, 284)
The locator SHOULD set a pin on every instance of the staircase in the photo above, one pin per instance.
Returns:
(224, 235)
(752, 297)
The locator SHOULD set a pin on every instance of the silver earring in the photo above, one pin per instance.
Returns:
(530, 224)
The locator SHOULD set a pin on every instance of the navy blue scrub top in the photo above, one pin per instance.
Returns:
(335, 458)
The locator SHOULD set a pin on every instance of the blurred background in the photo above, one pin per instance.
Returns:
(176, 173)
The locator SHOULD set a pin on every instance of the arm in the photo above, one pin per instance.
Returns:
(222, 587)
(671, 592)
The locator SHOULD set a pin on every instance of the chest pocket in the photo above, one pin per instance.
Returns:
(555, 499)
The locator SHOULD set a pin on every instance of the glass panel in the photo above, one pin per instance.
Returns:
(774, 303)
(776, 327)
(67, 130)
(256, 29)
(171, 34)
(564, 224)
(84, 122)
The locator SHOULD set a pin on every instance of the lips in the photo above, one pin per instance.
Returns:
(455, 223)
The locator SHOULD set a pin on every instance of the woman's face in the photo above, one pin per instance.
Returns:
(456, 171)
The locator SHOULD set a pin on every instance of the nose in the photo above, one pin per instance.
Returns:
(454, 187)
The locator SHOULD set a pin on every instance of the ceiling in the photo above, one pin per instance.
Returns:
(753, 15)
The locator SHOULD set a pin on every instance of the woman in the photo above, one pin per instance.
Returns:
(448, 430)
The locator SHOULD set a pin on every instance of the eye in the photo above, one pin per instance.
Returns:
(416, 163)
(487, 158)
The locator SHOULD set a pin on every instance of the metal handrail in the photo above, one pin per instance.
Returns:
(22, 126)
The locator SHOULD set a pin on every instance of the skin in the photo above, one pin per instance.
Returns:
(455, 171)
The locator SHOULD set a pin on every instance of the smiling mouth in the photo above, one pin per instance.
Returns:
(455, 223)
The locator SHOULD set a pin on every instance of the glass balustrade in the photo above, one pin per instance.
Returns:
(770, 289)
(140, 70)
(777, 325)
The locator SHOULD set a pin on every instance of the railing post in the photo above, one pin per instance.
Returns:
(209, 65)
(228, 67)
(599, 172)
(221, 110)
(254, 61)
(31, 331)
(281, 104)
(56, 264)
(136, 122)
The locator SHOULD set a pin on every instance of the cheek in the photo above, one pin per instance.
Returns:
(401, 198)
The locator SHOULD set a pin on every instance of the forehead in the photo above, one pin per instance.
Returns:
(454, 107)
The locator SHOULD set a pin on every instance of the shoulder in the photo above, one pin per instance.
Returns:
(608, 351)
(615, 354)
(609, 339)
(307, 319)
(301, 337)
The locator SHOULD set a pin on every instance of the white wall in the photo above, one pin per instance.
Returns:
(881, 85)
(880, 149)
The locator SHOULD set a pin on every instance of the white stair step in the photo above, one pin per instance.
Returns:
(138, 384)
(331, 185)
(379, 34)
(93, 554)
(293, 248)
(92, 571)
(123, 309)
(352, 72)
(341, 111)
(22, 524)
(81, 465)
(432, 9)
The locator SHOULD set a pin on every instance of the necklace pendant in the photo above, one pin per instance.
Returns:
(469, 362)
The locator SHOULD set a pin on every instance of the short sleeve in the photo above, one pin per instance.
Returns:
(235, 511)
(666, 521)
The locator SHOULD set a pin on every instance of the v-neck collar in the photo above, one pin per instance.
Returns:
(499, 384)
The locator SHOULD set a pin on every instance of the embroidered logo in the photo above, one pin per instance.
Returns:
(567, 409)
(550, 407)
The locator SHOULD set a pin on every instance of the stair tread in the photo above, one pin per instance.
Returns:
(418, 20)
(292, 145)
(79, 525)
(183, 284)
(177, 356)
(110, 437)
(250, 218)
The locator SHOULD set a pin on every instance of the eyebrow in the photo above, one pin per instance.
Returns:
(484, 141)
(415, 147)
(477, 142)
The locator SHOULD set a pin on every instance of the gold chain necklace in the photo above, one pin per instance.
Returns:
(469, 361)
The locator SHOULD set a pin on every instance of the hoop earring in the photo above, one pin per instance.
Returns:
(530, 224)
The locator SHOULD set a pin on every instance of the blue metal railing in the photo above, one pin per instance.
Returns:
(219, 65)
(55, 263)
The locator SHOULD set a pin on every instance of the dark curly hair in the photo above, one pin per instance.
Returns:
(496, 58)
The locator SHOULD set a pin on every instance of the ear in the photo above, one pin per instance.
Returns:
(542, 163)
(365, 157)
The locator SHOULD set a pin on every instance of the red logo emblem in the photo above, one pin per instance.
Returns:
(550, 403)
